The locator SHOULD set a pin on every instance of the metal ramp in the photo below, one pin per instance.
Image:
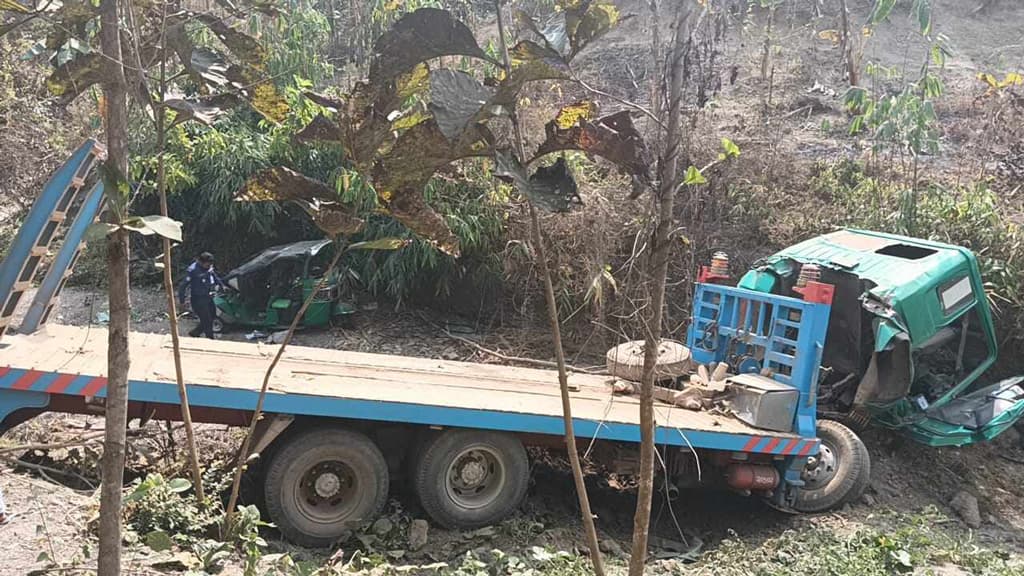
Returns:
(72, 194)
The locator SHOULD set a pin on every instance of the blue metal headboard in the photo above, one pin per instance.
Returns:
(752, 330)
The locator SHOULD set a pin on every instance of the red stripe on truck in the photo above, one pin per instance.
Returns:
(27, 380)
(791, 446)
(752, 444)
(93, 387)
(61, 383)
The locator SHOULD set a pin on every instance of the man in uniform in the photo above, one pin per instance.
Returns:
(199, 283)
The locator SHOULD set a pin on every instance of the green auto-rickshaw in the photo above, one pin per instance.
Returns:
(267, 291)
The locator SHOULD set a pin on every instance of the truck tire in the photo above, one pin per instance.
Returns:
(323, 484)
(841, 473)
(467, 479)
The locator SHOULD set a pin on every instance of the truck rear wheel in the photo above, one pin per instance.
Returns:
(838, 474)
(471, 478)
(322, 484)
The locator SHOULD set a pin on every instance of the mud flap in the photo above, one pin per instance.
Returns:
(976, 417)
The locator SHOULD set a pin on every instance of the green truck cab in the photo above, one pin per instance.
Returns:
(910, 336)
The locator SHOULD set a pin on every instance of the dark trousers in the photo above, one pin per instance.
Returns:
(205, 309)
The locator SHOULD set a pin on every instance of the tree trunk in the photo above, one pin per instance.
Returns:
(112, 465)
(657, 69)
(852, 70)
(172, 309)
(766, 48)
(657, 272)
(589, 528)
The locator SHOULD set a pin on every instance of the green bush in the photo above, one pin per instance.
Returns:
(158, 505)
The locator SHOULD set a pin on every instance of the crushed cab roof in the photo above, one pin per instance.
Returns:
(898, 266)
(924, 284)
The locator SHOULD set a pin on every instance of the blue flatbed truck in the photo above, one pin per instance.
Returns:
(340, 425)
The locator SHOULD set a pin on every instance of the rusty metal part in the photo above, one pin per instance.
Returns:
(752, 477)
(808, 273)
(720, 264)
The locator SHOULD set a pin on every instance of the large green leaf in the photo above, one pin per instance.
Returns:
(455, 100)
(149, 225)
(209, 65)
(923, 11)
(265, 7)
(320, 129)
(242, 46)
(163, 226)
(551, 29)
(324, 100)
(281, 184)
(370, 110)
(551, 188)
(694, 177)
(401, 174)
(577, 24)
(203, 112)
(76, 76)
(380, 244)
(530, 62)
(612, 137)
(98, 231)
(116, 190)
(419, 36)
(251, 76)
(178, 41)
(587, 21)
(319, 200)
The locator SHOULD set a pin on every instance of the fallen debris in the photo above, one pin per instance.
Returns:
(611, 547)
(277, 337)
(418, 534)
(686, 551)
(382, 527)
(966, 505)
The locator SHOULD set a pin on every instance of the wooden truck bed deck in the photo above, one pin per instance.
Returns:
(319, 382)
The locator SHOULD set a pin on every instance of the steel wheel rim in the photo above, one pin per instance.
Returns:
(325, 493)
(476, 477)
(825, 471)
